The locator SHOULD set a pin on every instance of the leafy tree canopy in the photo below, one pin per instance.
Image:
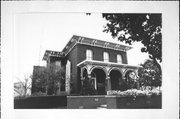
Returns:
(144, 28)
(48, 80)
(149, 74)
(88, 88)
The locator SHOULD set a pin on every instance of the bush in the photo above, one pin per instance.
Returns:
(135, 92)
(88, 88)
(39, 94)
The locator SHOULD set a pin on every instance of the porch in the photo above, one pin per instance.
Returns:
(105, 76)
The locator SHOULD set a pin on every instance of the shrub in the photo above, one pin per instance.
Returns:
(87, 88)
(39, 94)
(135, 92)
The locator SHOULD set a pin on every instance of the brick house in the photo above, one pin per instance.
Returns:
(105, 63)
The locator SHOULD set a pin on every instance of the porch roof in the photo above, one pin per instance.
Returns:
(102, 63)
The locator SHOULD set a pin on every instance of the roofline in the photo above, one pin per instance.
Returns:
(76, 39)
(102, 40)
(52, 53)
(80, 39)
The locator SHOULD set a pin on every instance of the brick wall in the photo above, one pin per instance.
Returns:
(78, 54)
(72, 57)
(40, 102)
(98, 53)
(85, 102)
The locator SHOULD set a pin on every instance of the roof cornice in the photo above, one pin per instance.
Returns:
(86, 41)
(49, 53)
(93, 42)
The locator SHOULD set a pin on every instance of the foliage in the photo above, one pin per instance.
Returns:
(124, 86)
(55, 79)
(149, 74)
(135, 92)
(39, 82)
(131, 80)
(88, 88)
(144, 28)
(48, 80)
(39, 94)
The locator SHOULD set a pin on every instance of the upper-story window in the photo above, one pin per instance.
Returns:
(89, 54)
(106, 57)
(119, 59)
(58, 63)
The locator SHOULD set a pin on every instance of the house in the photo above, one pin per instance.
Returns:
(19, 89)
(105, 63)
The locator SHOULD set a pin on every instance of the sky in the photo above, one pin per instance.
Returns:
(37, 32)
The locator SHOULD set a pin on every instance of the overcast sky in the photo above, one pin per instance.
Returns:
(35, 33)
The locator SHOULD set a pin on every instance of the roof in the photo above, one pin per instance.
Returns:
(87, 41)
(49, 53)
(93, 42)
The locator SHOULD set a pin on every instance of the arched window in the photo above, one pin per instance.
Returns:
(106, 57)
(89, 54)
(119, 59)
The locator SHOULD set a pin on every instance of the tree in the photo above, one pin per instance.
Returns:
(55, 80)
(88, 88)
(144, 28)
(48, 80)
(23, 85)
(132, 80)
(149, 74)
(40, 80)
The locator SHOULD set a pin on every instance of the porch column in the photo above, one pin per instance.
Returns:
(68, 77)
(123, 77)
(89, 76)
(108, 83)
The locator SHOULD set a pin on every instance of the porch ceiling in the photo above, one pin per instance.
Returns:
(109, 64)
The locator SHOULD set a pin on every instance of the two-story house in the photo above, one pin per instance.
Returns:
(103, 62)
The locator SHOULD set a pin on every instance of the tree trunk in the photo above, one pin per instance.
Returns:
(25, 89)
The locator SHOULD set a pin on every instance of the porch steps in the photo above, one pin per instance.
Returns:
(102, 107)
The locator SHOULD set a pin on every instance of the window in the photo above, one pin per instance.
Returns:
(58, 63)
(106, 57)
(119, 59)
(89, 54)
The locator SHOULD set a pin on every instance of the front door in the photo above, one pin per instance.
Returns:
(100, 81)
